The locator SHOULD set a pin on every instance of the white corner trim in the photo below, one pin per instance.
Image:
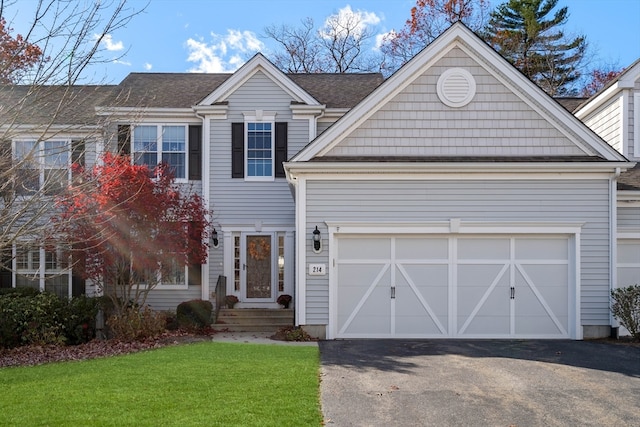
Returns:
(636, 121)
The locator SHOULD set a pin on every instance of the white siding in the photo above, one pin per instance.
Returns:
(234, 201)
(168, 299)
(422, 201)
(238, 202)
(496, 122)
(607, 123)
(628, 217)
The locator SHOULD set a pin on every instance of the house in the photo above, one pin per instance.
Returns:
(454, 199)
(614, 114)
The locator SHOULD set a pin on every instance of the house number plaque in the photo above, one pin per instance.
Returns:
(317, 269)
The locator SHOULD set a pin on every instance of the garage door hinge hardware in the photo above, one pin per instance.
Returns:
(513, 292)
(393, 292)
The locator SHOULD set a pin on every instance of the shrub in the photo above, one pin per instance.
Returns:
(28, 318)
(194, 314)
(136, 323)
(293, 333)
(626, 308)
(19, 292)
(80, 318)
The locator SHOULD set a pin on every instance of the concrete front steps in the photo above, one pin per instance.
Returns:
(253, 319)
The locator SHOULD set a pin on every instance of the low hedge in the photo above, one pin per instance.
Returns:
(194, 314)
(28, 316)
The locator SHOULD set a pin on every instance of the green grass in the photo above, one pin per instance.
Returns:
(212, 384)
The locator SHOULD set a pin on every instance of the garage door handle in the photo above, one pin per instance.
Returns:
(393, 292)
(513, 292)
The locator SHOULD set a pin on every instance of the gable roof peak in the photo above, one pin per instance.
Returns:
(258, 63)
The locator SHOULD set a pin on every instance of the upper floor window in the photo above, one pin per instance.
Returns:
(259, 148)
(154, 144)
(43, 165)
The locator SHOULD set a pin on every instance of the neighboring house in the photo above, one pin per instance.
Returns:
(454, 199)
(614, 114)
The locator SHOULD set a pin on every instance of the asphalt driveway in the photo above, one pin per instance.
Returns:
(479, 383)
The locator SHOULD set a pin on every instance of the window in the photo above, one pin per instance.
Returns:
(261, 158)
(44, 165)
(172, 275)
(259, 150)
(43, 269)
(171, 147)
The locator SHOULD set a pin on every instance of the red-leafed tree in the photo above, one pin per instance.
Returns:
(17, 55)
(429, 18)
(129, 230)
(598, 79)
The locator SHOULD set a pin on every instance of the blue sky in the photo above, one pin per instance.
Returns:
(218, 35)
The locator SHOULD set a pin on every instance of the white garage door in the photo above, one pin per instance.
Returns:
(450, 286)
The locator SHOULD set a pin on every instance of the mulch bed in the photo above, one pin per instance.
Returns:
(37, 355)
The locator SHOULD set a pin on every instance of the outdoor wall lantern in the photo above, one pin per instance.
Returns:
(214, 238)
(317, 241)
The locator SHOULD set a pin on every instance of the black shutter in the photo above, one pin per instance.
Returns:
(124, 139)
(237, 150)
(281, 148)
(5, 269)
(195, 275)
(195, 152)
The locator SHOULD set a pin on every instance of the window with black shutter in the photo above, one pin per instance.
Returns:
(257, 150)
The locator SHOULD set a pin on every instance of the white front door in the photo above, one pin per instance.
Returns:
(257, 272)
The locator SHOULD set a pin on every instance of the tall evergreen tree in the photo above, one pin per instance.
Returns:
(519, 30)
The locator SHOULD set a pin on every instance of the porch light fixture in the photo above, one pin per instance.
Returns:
(317, 242)
(214, 238)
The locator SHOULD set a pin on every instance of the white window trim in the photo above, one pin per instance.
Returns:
(173, 286)
(159, 151)
(41, 270)
(39, 160)
(260, 116)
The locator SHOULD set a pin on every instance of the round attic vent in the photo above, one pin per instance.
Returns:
(456, 87)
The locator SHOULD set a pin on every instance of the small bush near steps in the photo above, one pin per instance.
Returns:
(292, 333)
(626, 308)
(194, 314)
(136, 323)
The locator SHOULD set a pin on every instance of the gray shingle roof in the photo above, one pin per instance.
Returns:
(183, 90)
(46, 105)
(630, 179)
(76, 105)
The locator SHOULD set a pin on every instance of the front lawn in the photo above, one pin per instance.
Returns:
(209, 383)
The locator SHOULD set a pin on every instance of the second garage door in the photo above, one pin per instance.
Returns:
(451, 286)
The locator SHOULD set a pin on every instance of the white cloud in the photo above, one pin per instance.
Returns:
(380, 38)
(110, 45)
(121, 62)
(148, 66)
(356, 21)
(224, 53)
